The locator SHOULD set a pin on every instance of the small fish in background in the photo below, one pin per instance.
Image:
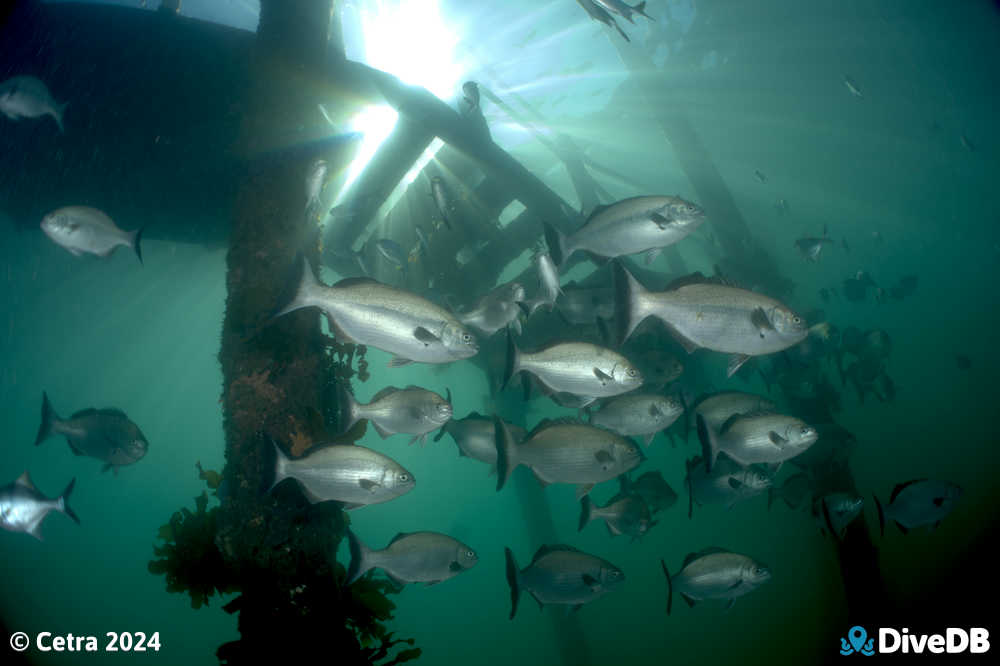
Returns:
(624, 10)
(23, 507)
(470, 94)
(919, 503)
(658, 367)
(548, 284)
(28, 97)
(833, 512)
(623, 514)
(497, 309)
(877, 236)
(905, 288)
(85, 230)
(714, 573)
(417, 557)
(314, 185)
(653, 489)
(392, 252)
(347, 473)
(824, 294)
(728, 483)
(852, 86)
(792, 492)
(411, 411)
(475, 437)
(598, 14)
(759, 175)
(967, 144)
(560, 574)
(443, 200)
(781, 206)
(856, 288)
(105, 434)
(469, 252)
(963, 362)
(423, 240)
(811, 247)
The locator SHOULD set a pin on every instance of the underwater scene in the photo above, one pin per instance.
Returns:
(566, 332)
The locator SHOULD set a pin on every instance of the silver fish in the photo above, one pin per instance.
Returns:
(758, 437)
(624, 10)
(580, 368)
(714, 573)
(23, 507)
(638, 415)
(422, 240)
(585, 305)
(443, 200)
(417, 557)
(653, 489)
(924, 502)
(639, 224)
(561, 574)
(399, 322)
(716, 408)
(28, 97)
(81, 229)
(393, 252)
(314, 185)
(833, 512)
(810, 248)
(345, 473)
(701, 313)
(475, 437)
(106, 434)
(852, 86)
(727, 483)
(601, 16)
(413, 411)
(566, 451)
(495, 310)
(793, 491)
(623, 514)
(548, 284)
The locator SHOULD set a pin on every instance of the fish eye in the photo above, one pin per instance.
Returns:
(471, 554)
(630, 372)
(796, 319)
(760, 571)
(614, 574)
(404, 477)
(466, 337)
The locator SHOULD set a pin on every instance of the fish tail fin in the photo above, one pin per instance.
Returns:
(620, 31)
(881, 516)
(586, 512)
(62, 504)
(49, 420)
(280, 465)
(670, 586)
(709, 443)
(135, 242)
(506, 451)
(628, 302)
(513, 579)
(556, 240)
(348, 407)
(512, 366)
(360, 558)
(299, 290)
(57, 115)
(641, 9)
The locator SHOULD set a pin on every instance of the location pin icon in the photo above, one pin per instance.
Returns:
(857, 635)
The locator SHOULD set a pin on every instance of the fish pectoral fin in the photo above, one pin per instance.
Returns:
(662, 221)
(398, 361)
(690, 602)
(432, 582)
(734, 483)
(603, 376)
(760, 319)
(347, 506)
(730, 604)
(651, 255)
(542, 482)
(425, 336)
(938, 501)
(736, 584)
(591, 582)
(776, 439)
(736, 362)
(603, 457)
(583, 489)
(454, 567)
(368, 485)
(398, 583)
(613, 530)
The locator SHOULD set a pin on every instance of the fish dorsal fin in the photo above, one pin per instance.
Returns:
(554, 548)
(90, 411)
(25, 481)
(689, 558)
(388, 390)
(694, 278)
(728, 423)
(899, 488)
(112, 411)
(355, 281)
(476, 415)
(549, 423)
(398, 537)
(425, 336)
(598, 209)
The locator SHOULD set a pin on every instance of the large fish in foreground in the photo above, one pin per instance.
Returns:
(566, 451)
(714, 573)
(703, 313)
(106, 434)
(561, 574)
(84, 230)
(579, 368)
(640, 224)
(396, 321)
(758, 437)
(413, 411)
(417, 557)
(28, 97)
(23, 507)
(346, 473)
(920, 503)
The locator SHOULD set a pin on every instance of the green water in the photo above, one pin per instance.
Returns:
(145, 339)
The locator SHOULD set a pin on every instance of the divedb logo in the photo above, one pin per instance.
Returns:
(974, 640)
